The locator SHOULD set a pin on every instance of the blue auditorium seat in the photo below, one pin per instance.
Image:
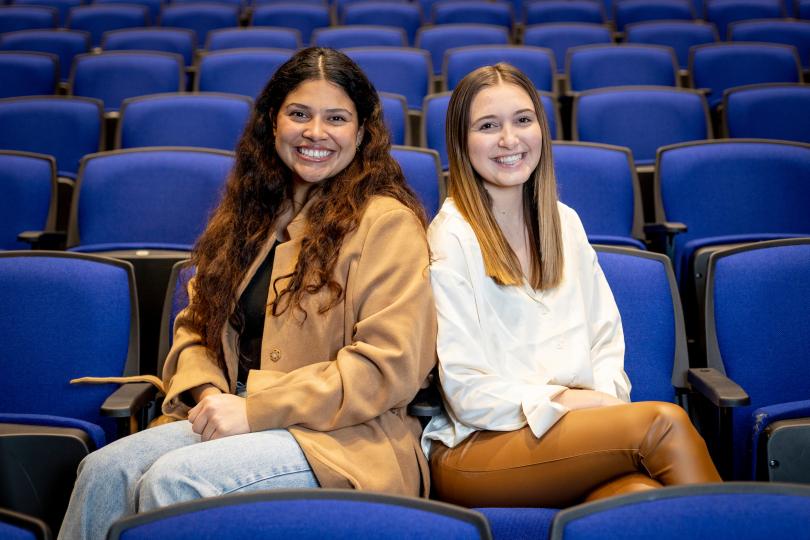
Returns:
(403, 15)
(301, 16)
(680, 35)
(633, 11)
(202, 17)
(599, 181)
(395, 116)
(180, 41)
(767, 111)
(559, 11)
(16, 526)
(61, 126)
(559, 37)
(28, 73)
(719, 66)
(423, 174)
(724, 12)
(642, 118)
(28, 200)
(403, 71)
(207, 120)
(239, 71)
(154, 6)
(537, 63)
(731, 511)
(787, 32)
(356, 35)
(437, 40)
(13, 18)
(62, 7)
(65, 44)
(100, 18)
(340, 514)
(253, 37)
(596, 66)
(117, 75)
(472, 12)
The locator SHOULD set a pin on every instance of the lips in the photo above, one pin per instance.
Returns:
(510, 159)
(314, 154)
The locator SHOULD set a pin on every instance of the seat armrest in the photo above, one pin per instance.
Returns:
(44, 239)
(128, 400)
(717, 388)
(662, 235)
(427, 403)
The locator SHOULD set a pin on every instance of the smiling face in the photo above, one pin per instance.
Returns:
(504, 140)
(317, 131)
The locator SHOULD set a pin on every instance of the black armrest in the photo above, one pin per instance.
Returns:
(44, 239)
(662, 235)
(128, 400)
(427, 403)
(717, 388)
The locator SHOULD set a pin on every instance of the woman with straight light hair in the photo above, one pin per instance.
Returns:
(530, 342)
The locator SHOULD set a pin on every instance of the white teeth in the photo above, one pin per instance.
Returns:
(315, 154)
(509, 160)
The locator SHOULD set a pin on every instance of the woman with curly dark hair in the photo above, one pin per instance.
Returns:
(311, 322)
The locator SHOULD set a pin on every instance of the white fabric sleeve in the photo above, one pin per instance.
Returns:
(476, 390)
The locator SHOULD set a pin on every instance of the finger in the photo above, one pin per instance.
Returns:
(193, 412)
(198, 426)
(208, 432)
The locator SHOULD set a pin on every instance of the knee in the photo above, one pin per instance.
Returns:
(669, 414)
(167, 481)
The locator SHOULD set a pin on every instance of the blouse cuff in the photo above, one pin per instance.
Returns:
(540, 411)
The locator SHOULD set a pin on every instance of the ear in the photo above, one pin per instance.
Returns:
(360, 133)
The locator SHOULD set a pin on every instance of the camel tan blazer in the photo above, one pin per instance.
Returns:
(339, 381)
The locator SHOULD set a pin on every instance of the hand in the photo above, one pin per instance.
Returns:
(219, 415)
(574, 399)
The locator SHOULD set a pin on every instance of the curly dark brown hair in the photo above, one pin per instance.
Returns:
(260, 188)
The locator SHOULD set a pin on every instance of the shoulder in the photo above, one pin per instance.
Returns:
(449, 226)
(383, 207)
(385, 221)
(571, 225)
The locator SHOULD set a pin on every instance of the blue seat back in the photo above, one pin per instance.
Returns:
(28, 200)
(731, 511)
(73, 315)
(439, 39)
(732, 189)
(239, 71)
(559, 37)
(758, 327)
(28, 73)
(115, 76)
(61, 6)
(596, 66)
(475, 12)
(407, 16)
(796, 33)
(341, 37)
(341, 514)
(176, 301)
(557, 11)
(768, 111)
(680, 35)
(724, 12)
(395, 116)
(64, 127)
(398, 70)
(423, 174)
(146, 197)
(303, 17)
(204, 120)
(259, 36)
(600, 183)
(202, 18)
(153, 6)
(65, 44)
(538, 64)
(633, 11)
(180, 41)
(641, 118)
(643, 285)
(13, 18)
(720, 66)
(97, 19)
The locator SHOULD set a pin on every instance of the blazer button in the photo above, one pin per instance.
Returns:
(275, 355)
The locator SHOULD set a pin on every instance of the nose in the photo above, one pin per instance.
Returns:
(315, 130)
(508, 137)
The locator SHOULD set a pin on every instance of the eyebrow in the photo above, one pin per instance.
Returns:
(487, 117)
(329, 111)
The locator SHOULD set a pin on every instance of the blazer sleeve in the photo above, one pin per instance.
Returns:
(478, 391)
(393, 346)
(189, 364)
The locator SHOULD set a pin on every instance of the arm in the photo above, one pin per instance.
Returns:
(393, 347)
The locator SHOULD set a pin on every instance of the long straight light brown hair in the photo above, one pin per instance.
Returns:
(466, 187)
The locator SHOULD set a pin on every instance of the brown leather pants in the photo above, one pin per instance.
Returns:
(588, 454)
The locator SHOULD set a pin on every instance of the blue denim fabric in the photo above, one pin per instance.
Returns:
(168, 464)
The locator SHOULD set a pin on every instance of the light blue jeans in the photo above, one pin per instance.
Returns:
(168, 464)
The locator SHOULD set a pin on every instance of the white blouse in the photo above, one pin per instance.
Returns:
(506, 351)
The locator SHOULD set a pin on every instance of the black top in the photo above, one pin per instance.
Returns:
(249, 317)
